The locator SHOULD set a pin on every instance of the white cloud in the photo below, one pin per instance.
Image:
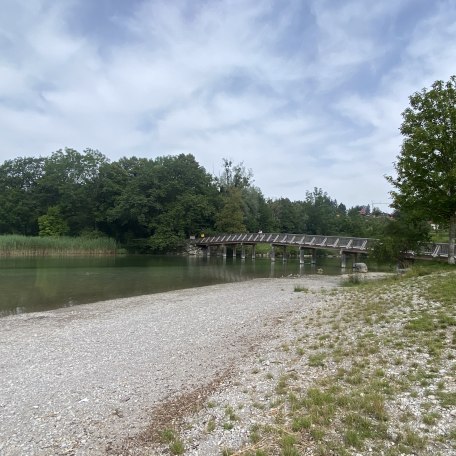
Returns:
(305, 97)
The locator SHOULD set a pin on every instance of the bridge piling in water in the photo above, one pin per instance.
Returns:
(314, 256)
(301, 255)
(343, 259)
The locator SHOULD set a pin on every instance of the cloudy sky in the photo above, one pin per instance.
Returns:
(307, 93)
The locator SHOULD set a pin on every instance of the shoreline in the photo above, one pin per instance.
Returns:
(80, 380)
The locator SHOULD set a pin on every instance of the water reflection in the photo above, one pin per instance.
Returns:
(36, 284)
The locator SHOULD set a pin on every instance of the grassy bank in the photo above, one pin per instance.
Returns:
(16, 245)
(371, 371)
(386, 375)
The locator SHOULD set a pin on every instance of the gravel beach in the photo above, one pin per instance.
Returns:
(79, 380)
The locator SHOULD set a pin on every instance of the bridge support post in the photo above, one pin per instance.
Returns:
(343, 259)
(208, 251)
(301, 255)
(242, 252)
(253, 251)
(223, 250)
(314, 256)
(234, 250)
(271, 272)
(284, 259)
(272, 253)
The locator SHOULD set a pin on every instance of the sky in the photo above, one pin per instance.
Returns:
(306, 93)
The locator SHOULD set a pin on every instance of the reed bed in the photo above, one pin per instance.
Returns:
(17, 245)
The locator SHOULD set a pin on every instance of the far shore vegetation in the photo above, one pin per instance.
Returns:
(155, 205)
(18, 245)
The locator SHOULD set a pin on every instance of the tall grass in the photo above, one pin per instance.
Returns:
(17, 245)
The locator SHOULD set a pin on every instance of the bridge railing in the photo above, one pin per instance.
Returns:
(302, 240)
(434, 250)
(437, 249)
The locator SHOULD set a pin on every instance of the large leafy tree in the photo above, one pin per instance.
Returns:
(257, 214)
(237, 199)
(322, 212)
(186, 194)
(154, 205)
(230, 219)
(19, 206)
(288, 216)
(131, 198)
(426, 167)
(70, 182)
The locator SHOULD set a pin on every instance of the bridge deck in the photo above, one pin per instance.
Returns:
(341, 243)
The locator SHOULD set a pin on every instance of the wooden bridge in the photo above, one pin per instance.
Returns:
(343, 245)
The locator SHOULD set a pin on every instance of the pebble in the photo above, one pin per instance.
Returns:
(149, 347)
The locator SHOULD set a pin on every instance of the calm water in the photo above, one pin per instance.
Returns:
(37, 284)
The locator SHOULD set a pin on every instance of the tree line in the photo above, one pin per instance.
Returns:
(154, 205)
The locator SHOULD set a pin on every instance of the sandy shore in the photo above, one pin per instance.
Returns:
(79, 380)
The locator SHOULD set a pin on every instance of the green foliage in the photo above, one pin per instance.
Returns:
(165, 200)
(155, 205)
(288, 216)
(177, 447)
(234, 176)
(167, 435)
(231, 217)
(321, 213)
(257, 214)
(443, 289)
(426, 166)
(52, 223)
(19, 207)
(69, 181)
(402, 235)
(300, 288)
(12, 244)
(424, 323)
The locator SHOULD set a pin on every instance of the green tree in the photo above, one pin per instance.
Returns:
(52, 223)
(129, 198)
(19, 207)
(257, 214)
(234, 176)
(230, 219)
(186, 194)
(322, 213)
(70, 181)
(239, 202)
(402, 234)
(426, 166)
(156, 204)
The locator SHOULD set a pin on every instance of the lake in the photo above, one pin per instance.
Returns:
(36, 284)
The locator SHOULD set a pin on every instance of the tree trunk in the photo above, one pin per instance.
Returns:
(451, 240)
